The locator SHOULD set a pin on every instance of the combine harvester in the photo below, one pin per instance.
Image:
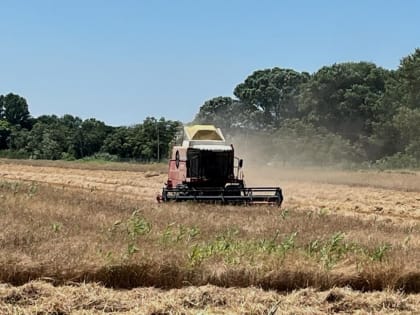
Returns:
(204, 168)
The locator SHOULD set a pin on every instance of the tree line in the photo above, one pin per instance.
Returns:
(352, 112)
(69, 137)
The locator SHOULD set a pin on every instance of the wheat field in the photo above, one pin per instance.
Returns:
(90, 238)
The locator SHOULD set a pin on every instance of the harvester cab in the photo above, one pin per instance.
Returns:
(202, 167)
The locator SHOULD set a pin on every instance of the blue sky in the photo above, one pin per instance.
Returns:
(121, 61)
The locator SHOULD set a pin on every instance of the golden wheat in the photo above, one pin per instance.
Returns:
(92, 225)
(42, 298)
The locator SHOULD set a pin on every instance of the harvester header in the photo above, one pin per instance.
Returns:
(202, 167)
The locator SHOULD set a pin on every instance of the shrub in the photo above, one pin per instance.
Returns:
(397, 161)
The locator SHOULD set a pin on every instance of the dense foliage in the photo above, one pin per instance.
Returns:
(353, 112)
(69, 137)
(346, 112)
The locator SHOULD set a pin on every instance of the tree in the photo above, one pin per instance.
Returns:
(402, 93)
(272, 95)
(58, 134)
(303, 143)
(46, 142)
(18, 140)
(89, 137)
(1, 107)
(141, 141)
(155, 137)
(15, 110)
(385, 140)
(409, 77)
(407, 122)
(224, 112)
(5, 131)
(345, 98)
(70, 127)
(116, 143)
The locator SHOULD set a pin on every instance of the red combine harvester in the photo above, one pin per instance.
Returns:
(203, 168)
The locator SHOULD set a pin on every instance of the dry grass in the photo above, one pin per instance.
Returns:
(392, 180)
(101, 226)
(70, 234)
(90, 165)
(42, 298)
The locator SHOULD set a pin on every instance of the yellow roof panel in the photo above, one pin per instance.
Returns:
(203, 132)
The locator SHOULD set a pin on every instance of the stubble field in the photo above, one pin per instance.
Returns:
(75, 236)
